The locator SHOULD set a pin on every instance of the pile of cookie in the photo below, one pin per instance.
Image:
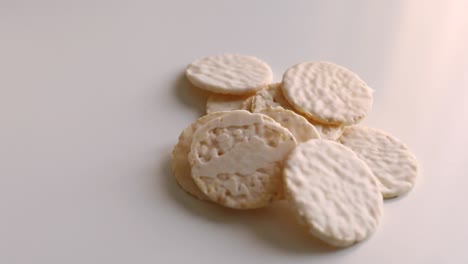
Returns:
(261, 142)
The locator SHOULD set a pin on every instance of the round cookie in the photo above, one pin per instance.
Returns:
(333, 192)
(237, 159)
(221, 102)
(180, 163)
(271, 97)
(327, 93)
(229, 74)
(390, 160)
(299, 127)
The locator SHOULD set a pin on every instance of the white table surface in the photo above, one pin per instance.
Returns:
(92, 99)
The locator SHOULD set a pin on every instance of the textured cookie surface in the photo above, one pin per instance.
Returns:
(237, 159)
(271, 97)
(326, 92)
(229, 74)
(220, 102)
(333, 192)
(332, 132)
(180, 162)
(299, 127)
(389, 159)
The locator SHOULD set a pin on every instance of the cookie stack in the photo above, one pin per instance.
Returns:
(297, 140)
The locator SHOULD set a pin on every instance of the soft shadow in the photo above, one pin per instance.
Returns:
(277, 226)
(274, 225)
(396, 199)
(190, 95)
(189, 203)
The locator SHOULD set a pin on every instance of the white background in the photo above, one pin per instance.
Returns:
(92, 99)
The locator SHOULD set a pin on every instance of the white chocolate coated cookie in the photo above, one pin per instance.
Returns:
(237, 159)
(273, 97)
(229, 74)
(333, 192)
(389, 159)
(180, 163)
(299, 127)
(327, 93)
